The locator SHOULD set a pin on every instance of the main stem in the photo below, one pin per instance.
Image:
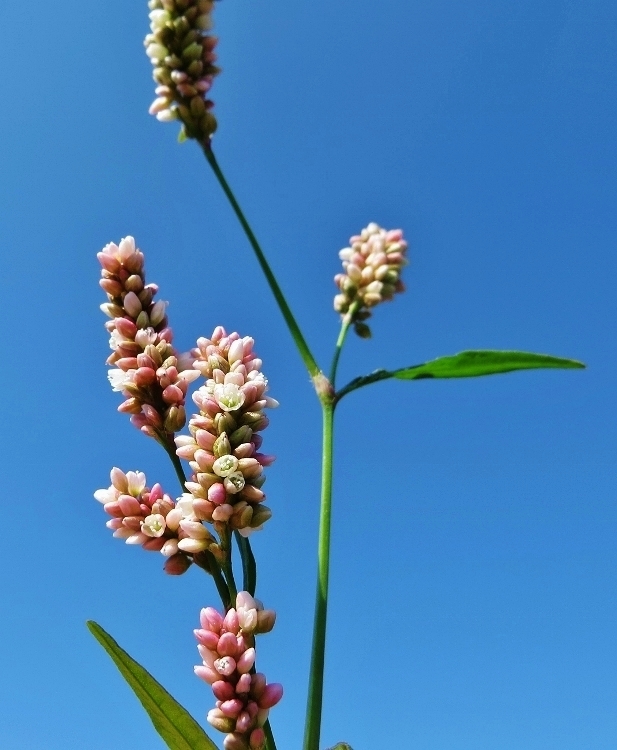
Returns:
(315, 696)
(294, 328)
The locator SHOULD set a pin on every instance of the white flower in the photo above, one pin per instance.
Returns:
(118, 378)
(229, 396)
(153, 525)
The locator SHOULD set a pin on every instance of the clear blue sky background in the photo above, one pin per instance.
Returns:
(475, 527)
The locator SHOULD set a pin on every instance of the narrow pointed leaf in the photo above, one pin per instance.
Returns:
(173, 722)
(472, 364)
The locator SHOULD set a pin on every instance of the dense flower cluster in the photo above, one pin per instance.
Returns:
(372, 264)
(147, 369)
(183, 56)
(226, 646)
(146, 516)
(223, 447)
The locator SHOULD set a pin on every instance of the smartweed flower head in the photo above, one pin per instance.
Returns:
(223, 447)
(146, 368)
(372, 267)
(227, 648)
(182, 53)
(147, 517)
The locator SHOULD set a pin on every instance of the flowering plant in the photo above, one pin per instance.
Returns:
(218, 457)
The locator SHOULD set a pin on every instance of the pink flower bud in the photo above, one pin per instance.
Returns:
(210, 619)
(246, 661)
(177, 564)
(271, 695)
(223, 690)
(257, 740)
(225, 666)
(227, 645)
(231, 623)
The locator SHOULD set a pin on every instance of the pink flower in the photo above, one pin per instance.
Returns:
(243, 700)
(372, 263)
(223, 448)
(146, 367)
(150, 518)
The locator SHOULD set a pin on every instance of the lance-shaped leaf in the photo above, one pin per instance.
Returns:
(472, 364)
(173, 722)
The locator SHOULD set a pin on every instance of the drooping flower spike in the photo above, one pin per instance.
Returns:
(183, 56)
(148, 370)
(147, 517)
(372, 263)
(227, 648)
(223, 447)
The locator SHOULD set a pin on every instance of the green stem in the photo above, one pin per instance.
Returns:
(347, 321)
(220, 583)
(270, 743)
(315, 693)
(249, 566)
(294, 328)
(170, 449)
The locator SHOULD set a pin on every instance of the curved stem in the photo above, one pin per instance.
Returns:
(315, 695)
(249, 566)
(294, 328)
(220, 583)
(171, 452)
(347, 321)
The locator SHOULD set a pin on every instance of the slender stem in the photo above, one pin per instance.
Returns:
(294, 329)
(249, 566)
(347, 320)
(315, 696)
(171, 452)
(231, 582)
(225, 586)
(270, 743)
(215, 571)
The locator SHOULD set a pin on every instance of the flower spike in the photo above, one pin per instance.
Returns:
(182, 52)
(223, 448)
(227, 648)
(372, 263)
(148, 371)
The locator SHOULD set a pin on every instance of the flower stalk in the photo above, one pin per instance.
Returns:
(312, 728)
(294, 329)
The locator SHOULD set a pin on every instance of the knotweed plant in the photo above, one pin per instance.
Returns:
(216, 451)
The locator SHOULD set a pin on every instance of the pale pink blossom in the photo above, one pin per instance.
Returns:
(147, 370)
(372, 269)
(223, 449)
(150, 518)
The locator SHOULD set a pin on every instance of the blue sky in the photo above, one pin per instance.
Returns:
(474, 572)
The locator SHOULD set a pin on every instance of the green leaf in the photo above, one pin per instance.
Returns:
(173, 722)
(472, 364)
(341, 746)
